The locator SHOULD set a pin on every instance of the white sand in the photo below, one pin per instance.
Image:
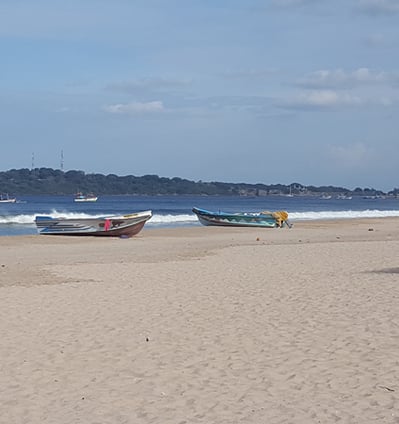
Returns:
(203, 325)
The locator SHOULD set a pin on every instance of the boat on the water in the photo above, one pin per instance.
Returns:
(5, 198)
(265, 219)
(118, 226)
(80, 197)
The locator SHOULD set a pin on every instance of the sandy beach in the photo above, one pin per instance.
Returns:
(203, 325)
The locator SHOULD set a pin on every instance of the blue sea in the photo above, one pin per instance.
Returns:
(176, 211)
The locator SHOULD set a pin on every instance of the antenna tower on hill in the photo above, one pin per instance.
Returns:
(62, 160)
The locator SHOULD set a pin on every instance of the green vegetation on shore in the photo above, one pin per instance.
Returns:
(54, 181)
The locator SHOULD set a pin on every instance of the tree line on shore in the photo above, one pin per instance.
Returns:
(48, 181)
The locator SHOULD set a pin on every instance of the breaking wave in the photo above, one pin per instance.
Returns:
(349, 214)
(172, 220)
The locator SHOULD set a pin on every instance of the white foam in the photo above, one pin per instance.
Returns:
(181, 219)
(172, 219)
(310, 215)
(30, 219)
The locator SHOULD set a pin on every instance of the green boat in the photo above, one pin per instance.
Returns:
(264, 219)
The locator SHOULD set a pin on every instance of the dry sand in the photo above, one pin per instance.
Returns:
(203, 325)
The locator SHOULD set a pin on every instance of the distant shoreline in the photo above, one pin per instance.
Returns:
(49, 181)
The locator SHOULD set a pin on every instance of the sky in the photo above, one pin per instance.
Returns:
(272, 91)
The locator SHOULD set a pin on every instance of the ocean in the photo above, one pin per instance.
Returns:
(176, 211)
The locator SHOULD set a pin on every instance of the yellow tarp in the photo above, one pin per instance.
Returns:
(279, 216)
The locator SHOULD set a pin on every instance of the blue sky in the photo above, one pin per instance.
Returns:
(272, 91)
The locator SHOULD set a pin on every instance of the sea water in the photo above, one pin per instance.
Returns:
(176, 211)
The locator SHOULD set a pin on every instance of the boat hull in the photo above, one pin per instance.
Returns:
(80, 197)
(94, 199)
(112, 226)
(265, 220)
(5, 198)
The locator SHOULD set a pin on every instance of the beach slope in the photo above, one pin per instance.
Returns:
(203, 325)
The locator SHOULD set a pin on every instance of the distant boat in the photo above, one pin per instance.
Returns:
(243, 219)
(344, 197)
(325, 197)
(80, 197)
(377, 196)
(290, 193)
(5, 198)
(117, 226)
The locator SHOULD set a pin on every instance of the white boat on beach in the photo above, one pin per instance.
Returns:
(114, 225)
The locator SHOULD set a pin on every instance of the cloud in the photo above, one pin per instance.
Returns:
(378, 7)
(375, 40)
(253, 74)
(63, 109)
(135, 108)
(319, 99)
(290, 3)
(146, 86)
(355, 155)
(250, 105)
(70, 20)
(339, 79)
